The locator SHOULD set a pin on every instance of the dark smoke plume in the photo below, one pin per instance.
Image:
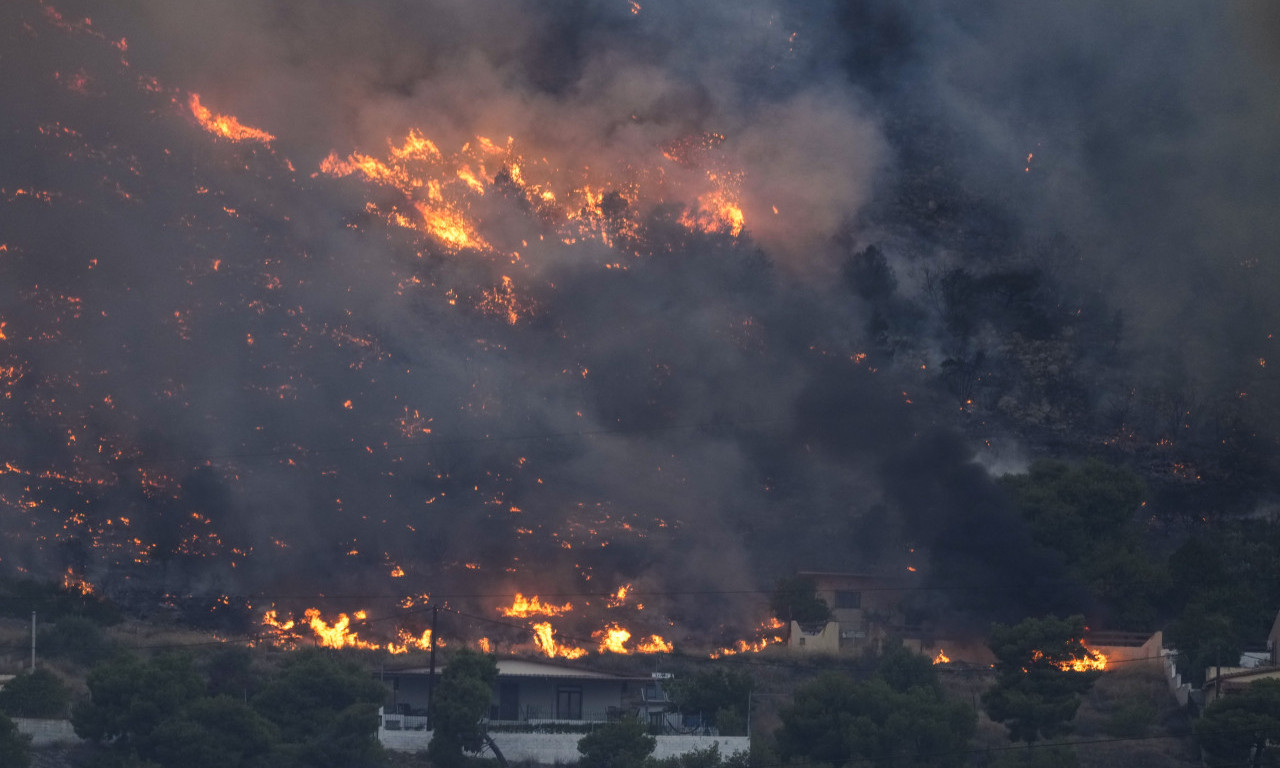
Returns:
(972, 236)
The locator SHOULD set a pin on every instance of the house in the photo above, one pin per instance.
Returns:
(539, 710)
(865, 609)
(1224, 681)
(536, 693)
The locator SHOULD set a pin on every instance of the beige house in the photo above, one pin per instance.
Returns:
(865, 609)
(1224, 681)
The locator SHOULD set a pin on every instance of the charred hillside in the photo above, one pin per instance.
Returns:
(390, 310)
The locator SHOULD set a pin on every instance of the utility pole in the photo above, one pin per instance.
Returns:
(431, 678)
(33, 641)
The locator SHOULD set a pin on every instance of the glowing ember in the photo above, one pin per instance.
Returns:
(1094, 661)
(770, 635)
(73, 582)
(438, 190)
(620, 597)
(524, 608)
(717, 212)
(225, 126)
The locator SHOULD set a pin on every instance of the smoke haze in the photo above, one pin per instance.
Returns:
(1004, 230)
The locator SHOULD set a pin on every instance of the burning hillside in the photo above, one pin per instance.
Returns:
(396, 313)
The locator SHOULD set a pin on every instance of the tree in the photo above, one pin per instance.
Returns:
(1236, 730)
(77, 638)
(1037, 693)
(15, 750)
(623, 744)
(318, 711)
(1086, 513)
(718, 694)
(326, 709)
(130, 698)
(219, 732)
(35, 694)
(899, 718)
(796, 599)
(460, 701)
(230, 673)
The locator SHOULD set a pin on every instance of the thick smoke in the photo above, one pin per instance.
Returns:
(285, 396)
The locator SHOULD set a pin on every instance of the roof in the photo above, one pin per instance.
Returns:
(530, 668)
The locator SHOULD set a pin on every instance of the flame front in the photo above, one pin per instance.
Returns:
(524, 608)
(770, 634)
(339, 634)
(225, 126)
(612, 639)
(544, 638)
(941, 658)
(1092, 662)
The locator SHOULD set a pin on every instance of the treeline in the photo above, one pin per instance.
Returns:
(316, 709)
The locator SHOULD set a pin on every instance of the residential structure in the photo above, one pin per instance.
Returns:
(536, 692)
(865, 610)
(533, 696)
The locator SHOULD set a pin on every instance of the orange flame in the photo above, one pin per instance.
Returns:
(225, 126)
(1092, 662)
(339, 634)
(73, 582)
(620, 597)
(544, 638)
(524, 608)
(655, 644)
(941, 658)
(770, 636)
(613, 639)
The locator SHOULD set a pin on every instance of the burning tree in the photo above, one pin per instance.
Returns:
(1042, 670)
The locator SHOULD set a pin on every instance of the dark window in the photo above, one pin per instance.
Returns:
(845, 599)
(508, 700)
(568, 703)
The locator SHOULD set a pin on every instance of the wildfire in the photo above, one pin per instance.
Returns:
(225, 126)
(408, 641)
(438, 189)
(339, 634)
(655, 644)
(942, 657)
(612, 639)
(544, 638)
(717, 211)
(769, 636)
(1093, 662)
(501, 300)
(524, 608)
(620, 597)
(72, 581)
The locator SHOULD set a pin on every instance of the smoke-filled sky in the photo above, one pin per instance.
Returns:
(969, 236)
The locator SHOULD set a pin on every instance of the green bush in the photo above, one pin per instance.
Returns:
(35, 694)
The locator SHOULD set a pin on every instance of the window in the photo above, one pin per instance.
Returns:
(568, 703)
(846, 599)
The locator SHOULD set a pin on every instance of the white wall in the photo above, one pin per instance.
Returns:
(563, 747)
(46, 732)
